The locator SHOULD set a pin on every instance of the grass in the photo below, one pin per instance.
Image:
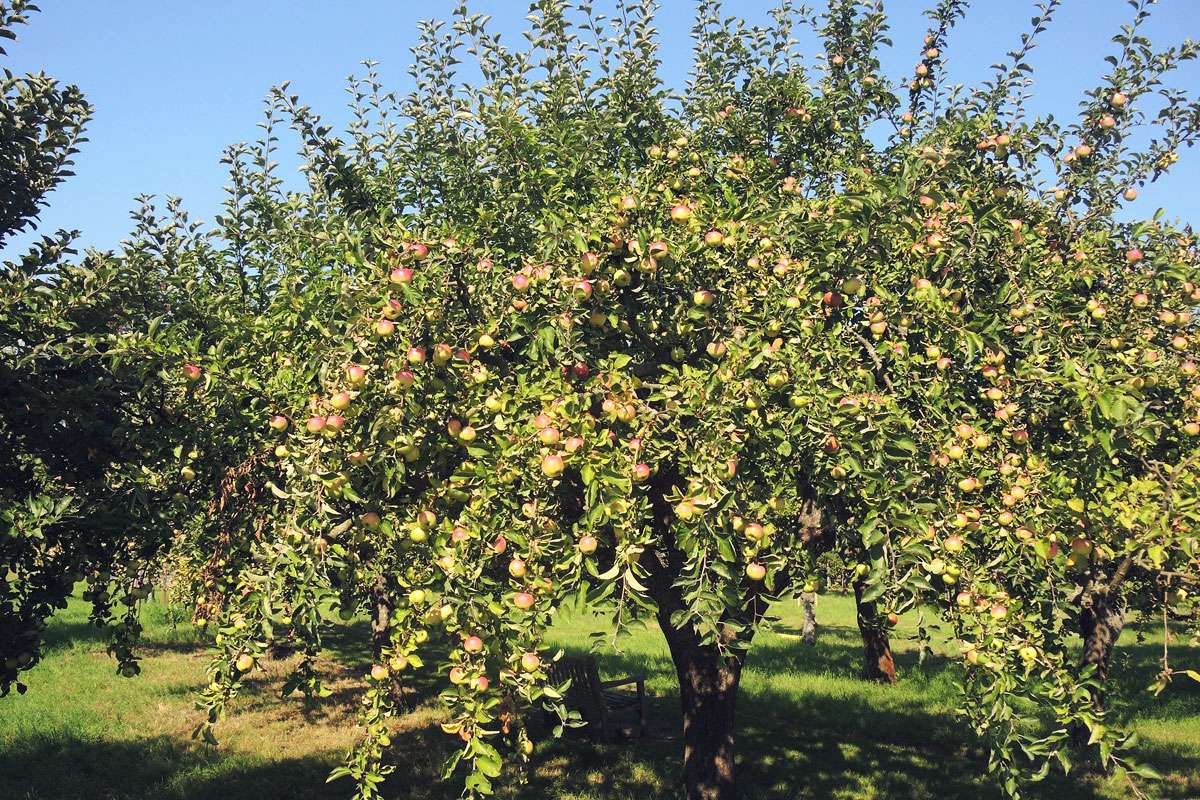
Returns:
(809, 728)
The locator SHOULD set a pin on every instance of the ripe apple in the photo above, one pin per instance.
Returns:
(405, 378)
(579, 370)
(385, 327)
(279, 422)
(658, 250)
(523, 600)
(315, 424)
(418, 250)
(1130, 194)
(356, 375)
(340, 401)
(587, 544)
(415, 355)
(641, 472)
(459, 534)
(520, 281)
(244, 663)
(1133, 255)
(589, 262)
(499, 545)
(714, 238)
(467, 434)
(703, 298)
(334, 423)
(192, 372)
(953, 543)
(552, 465)
(1118, 100)
(583, 289)
(401, 275)
(379, 672)
(963, 599)
(681, 212)
(458, 675)
(370, 519)
(530, 662)
(473, 644)
(754, 532)
(686, 510)
(516, 568)
(999, 611)
(399, 663)
(755, 571)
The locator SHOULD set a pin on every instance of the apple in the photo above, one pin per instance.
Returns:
(415, 355)
(401, 275)
(379, 672)
(589, 262)
(516, 568)
(340, 401)
(1028, 654)
(549, 435)
(334, 423)
(244, 663)
(417, 597)
(832, 299)
(703, 298)
(1118, 100)
(714, 238)
(398, 663)
(755, 571)
(1130, 194)
(458, 675)
(420, 251)
(405, 378)
(459, 534)
(658, 250)
(999, 611)
(520, 281)
(467, 435)
(953, 543)
(963, 599)
(754, 532)
(370, 519)
(681, 212)
(552, 465)
(641, 472)
(385, 327)
(1134, 255)
(279, 422)
(579, 370)
(499, 545)
(356, 375)
(587, 544)
(583, 289)
(315, 424)
(442, 353)
(573, 444)
(686, 510)
(473, 644)
(192, 372)
(523, 600)
(716, 349)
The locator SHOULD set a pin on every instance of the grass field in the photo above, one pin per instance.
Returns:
(810, 729)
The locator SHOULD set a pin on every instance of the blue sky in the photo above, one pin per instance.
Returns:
(174, 82)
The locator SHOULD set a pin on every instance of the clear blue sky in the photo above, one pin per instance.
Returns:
(174, 82)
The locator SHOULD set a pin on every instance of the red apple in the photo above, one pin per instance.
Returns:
(755, 571)
(401, 275)
(552, 465)
(315, 424)
(473, 644)
(523, 600)
(279, 422)
(587, 544)
(192, 372)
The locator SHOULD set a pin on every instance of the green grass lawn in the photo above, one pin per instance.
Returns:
(810, 729)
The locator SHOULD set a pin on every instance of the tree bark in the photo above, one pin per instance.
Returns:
(708, 685)
(1101, 620)
(808, 633)
(381, 618)
(878, 664)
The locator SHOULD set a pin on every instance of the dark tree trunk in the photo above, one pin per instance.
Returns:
(878, 664)
(381, 617)
(708, 685)
(1101, 619)
(808, 633)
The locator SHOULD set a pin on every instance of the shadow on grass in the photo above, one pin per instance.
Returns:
(810, 740)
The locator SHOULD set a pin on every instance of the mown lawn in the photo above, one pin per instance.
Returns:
(810, 729)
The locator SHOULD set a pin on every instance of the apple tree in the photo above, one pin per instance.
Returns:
(555, 336)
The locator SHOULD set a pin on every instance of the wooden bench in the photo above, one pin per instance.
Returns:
(595, 700)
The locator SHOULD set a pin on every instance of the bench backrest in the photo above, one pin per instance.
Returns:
(584, 694)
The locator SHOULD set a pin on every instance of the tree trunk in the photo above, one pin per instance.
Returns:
(1101, 619)
(708, 685)
(808, 633)
(877, 650)
(381, 618)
